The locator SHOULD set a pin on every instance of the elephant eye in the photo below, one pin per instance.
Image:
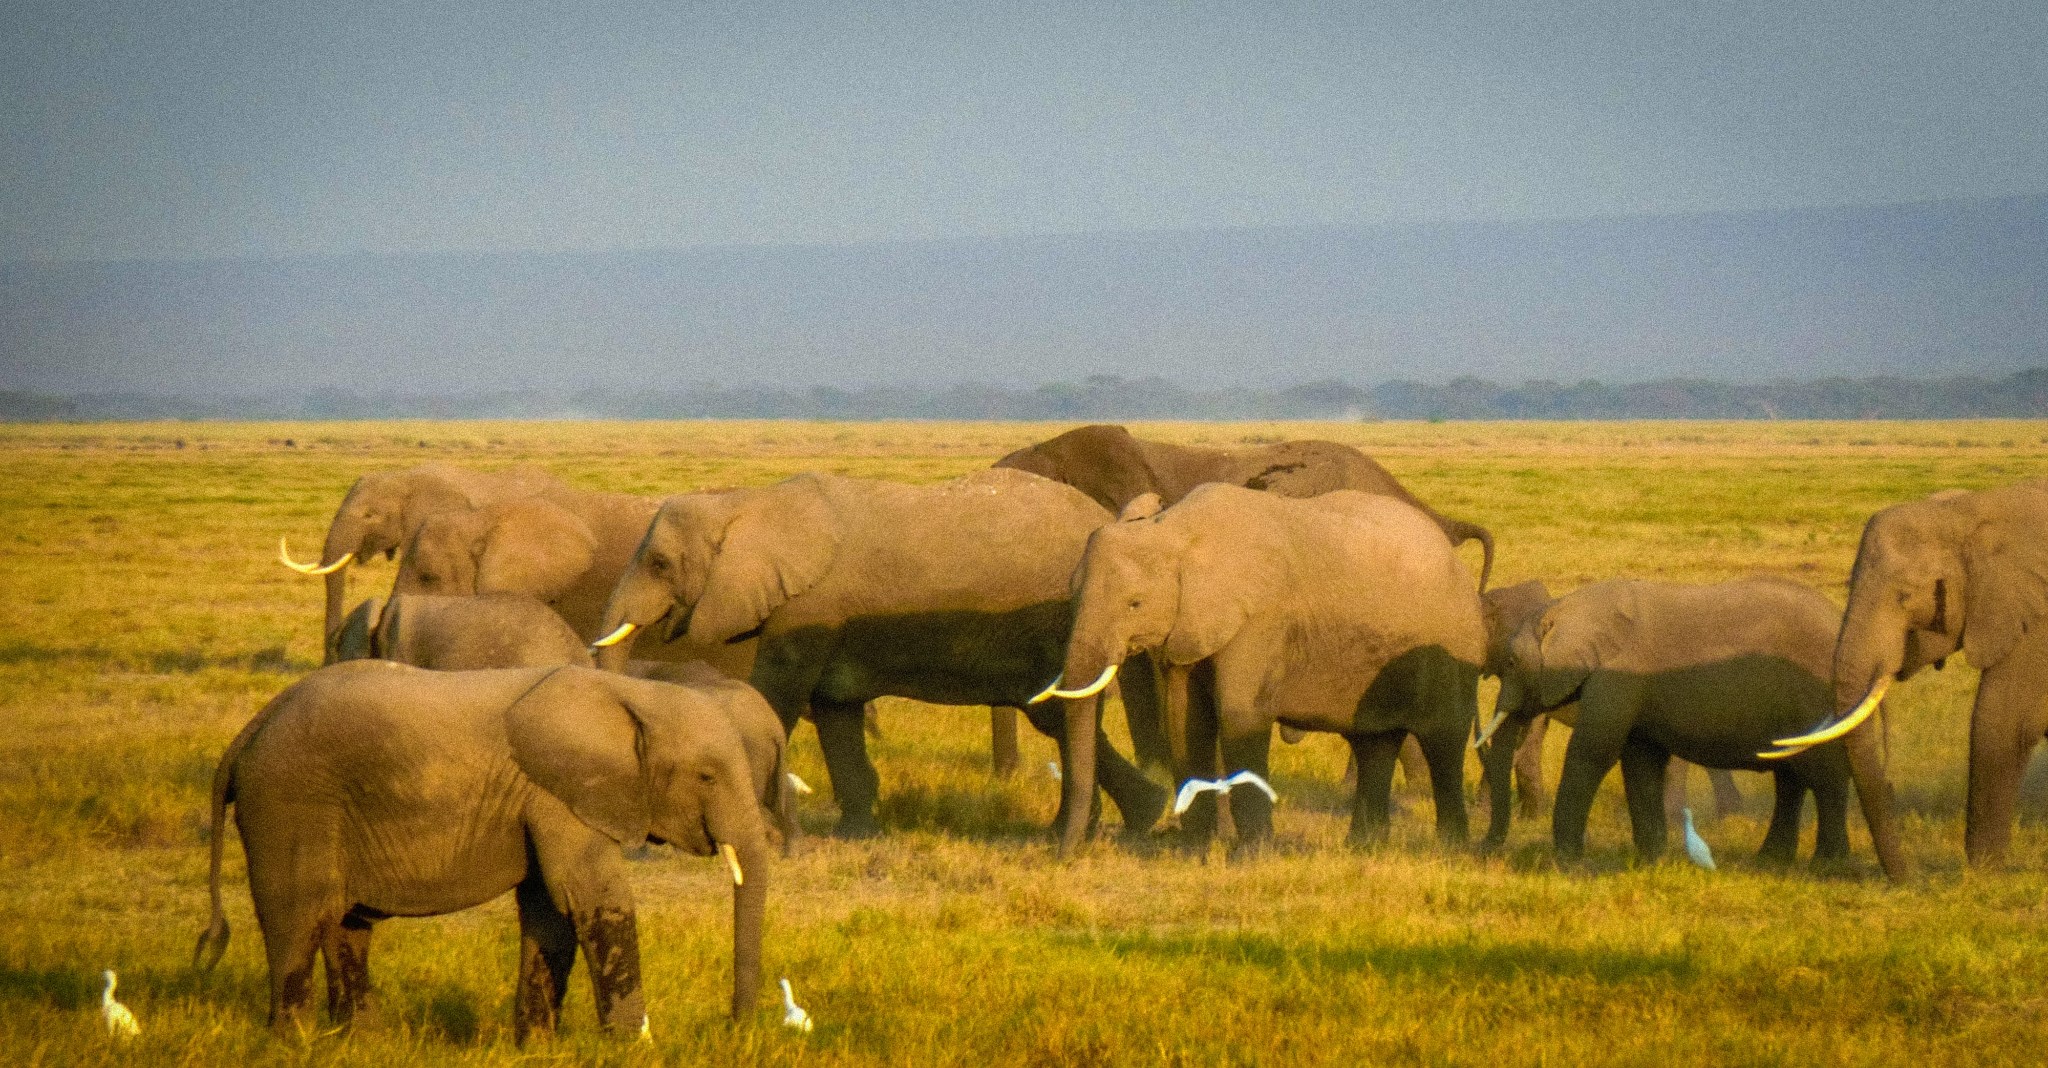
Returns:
(657, 565)
(706, 777)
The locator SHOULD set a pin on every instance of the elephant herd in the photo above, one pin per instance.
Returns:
(557, 673)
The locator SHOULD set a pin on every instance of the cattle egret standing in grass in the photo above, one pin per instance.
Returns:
(120, 1022)
(1695, 846)
(1052, 768)
(793, 1014)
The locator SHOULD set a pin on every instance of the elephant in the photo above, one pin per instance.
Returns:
(382, 509)
(1507, 608)
(1712, 674)
(1347, 612)
(447, 633)
(1969, 571)
(953, 593)
(373, 789)
(1115, 467)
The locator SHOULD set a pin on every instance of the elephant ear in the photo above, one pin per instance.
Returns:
(2007, 578)
(1575, 639)
(534, 547)
(575, 739)
(1143, 506)
(780, 542)
(1219, 594)
(357, 638)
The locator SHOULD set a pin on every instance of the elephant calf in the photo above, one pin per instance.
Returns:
(449, 633)
(1710, 674)
(371, 789)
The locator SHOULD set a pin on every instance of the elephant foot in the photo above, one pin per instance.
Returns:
(1142, 808)
(1490, 846)
(1245, 849)
(853, 827)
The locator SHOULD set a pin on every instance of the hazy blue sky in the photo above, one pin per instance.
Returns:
(169, 128)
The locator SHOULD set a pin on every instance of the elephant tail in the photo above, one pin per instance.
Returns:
(1461, 532)
(213, 942)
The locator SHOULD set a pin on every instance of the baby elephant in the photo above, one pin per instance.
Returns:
(372, 789)
(450, 633)
(1710, 674)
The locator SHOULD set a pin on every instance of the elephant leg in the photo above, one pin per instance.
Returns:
(346, 948)
(293, 933)
(1445, 752)
(1529, 768)
(1781, 840)
(1644, 768)
(1138, 687)
(1831, 817)
(1677, 776)
(1002, 742)
(1251, 811)
(547, 954)
(855, 783)
(2005, 725)
(1584, 766)
(1727, 795)
(1375, 755)
(586, 880)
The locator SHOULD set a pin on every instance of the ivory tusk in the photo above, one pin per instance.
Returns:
(802, 788)
(1842, 726)
(1090, 690)
(1500, 716)
(615, 637)
(285, 556)
(1046, 694)
(732, 860)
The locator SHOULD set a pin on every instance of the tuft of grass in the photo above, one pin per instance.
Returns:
(143, 620)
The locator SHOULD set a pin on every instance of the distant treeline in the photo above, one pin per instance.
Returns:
(1103, 397)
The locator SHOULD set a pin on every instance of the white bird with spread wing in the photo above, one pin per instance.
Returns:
(120, 1022)
(1194, 788)
(793, 1015)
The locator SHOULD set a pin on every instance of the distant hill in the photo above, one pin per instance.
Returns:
(1918, 290)
(1106, 397)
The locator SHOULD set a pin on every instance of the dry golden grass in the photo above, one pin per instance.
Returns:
(143, 619)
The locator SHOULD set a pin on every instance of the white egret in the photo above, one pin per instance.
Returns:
(793, 1014)
(120, 1022)
(1194, 788)
(1695, 846)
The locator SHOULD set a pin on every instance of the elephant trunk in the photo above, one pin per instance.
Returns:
(1870, 652)
(1497, 758)
(736, 824)
(342, 538)
(1091, 656)
(636, 602)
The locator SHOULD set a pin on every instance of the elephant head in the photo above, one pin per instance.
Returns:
(530, 546)
(1150, 583)
(639, 760)
(378, 513)
(1953, 571)
(715, 566)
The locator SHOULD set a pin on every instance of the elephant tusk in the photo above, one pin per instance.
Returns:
(732, 860)
(796, 782)
(1842, 726)
(1047, 693)
(285, 556)
(615, 637)
(1500, 716)
(1090, 690)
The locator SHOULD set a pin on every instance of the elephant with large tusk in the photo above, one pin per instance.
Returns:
(1965, 572)
(954, 593)
(383, 509)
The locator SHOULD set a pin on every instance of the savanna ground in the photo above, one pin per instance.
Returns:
(144, 618)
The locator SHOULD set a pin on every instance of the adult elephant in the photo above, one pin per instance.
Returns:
(1348, 612)
(1954, 571)
(954, 593)
(371, 789)
(1110, 464)
(383, 509)
(1714, 675)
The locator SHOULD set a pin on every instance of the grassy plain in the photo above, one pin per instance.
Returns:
(143, 618)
